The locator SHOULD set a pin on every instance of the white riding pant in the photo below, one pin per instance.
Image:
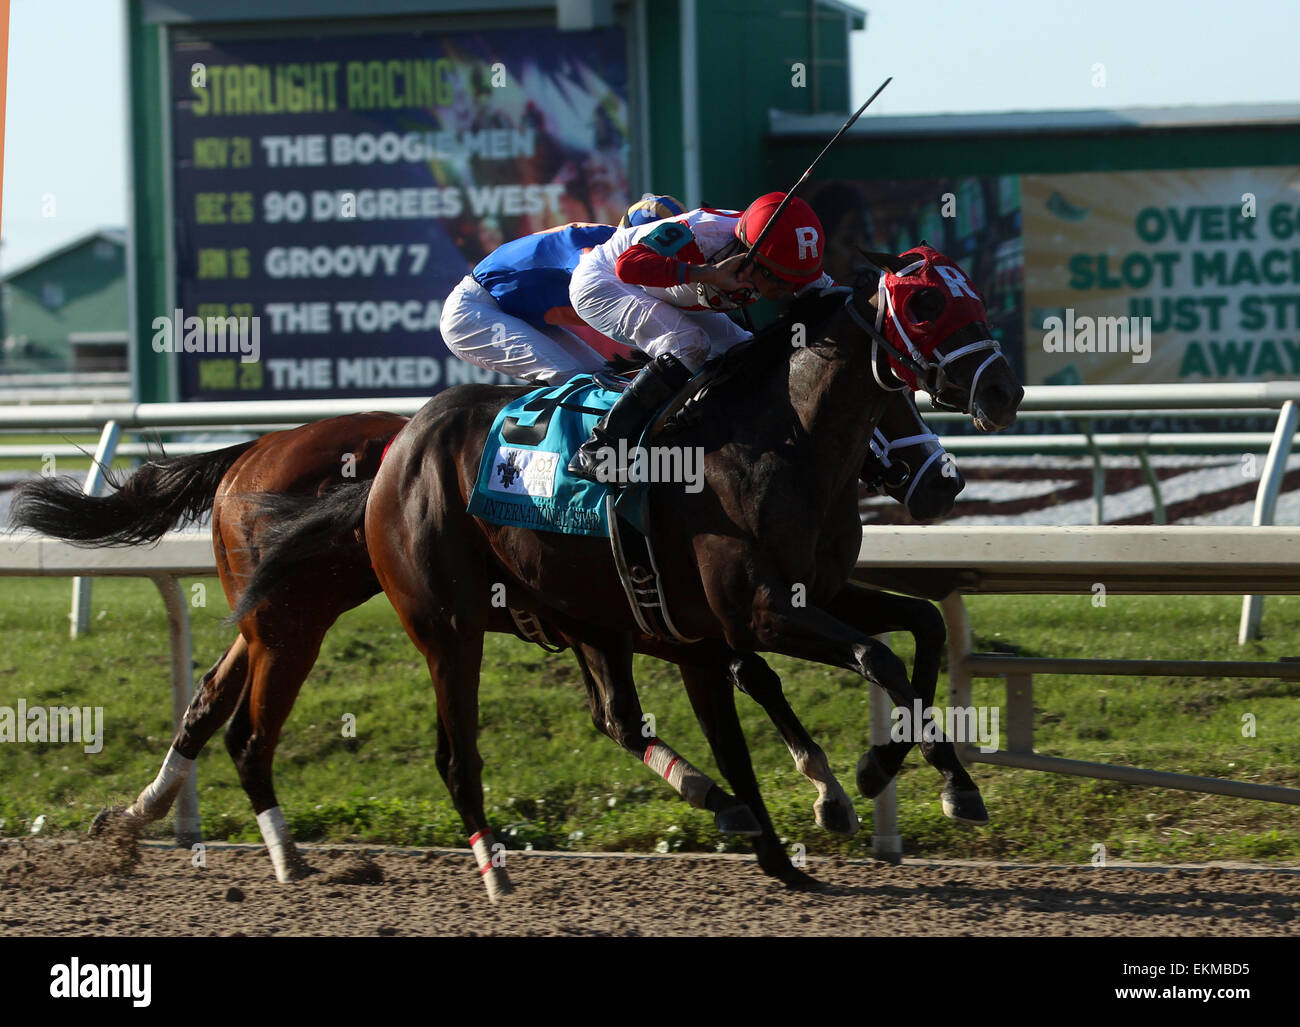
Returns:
(632, 316)
(480, 332)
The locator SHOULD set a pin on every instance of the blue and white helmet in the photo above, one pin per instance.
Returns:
(651, 207)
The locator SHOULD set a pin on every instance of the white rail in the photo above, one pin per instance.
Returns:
(1097, 400)
(945, 563)
(1039, 402)
(942, 563)
(176, 556)
(165, 415)
(1062, 559)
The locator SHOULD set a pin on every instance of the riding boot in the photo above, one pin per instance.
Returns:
(655, 385)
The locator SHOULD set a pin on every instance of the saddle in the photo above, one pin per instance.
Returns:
(523, 482)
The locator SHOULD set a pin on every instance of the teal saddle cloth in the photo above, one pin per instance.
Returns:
(523, 479)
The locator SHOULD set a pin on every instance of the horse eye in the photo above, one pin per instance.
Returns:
(925, 305)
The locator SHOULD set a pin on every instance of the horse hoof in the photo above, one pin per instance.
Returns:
(872, 777)
(102, 819)
(737, 819)
(111, 820)
(498, 885)
(836, 815)
(965, 807)
(298, 870)
(796, 880)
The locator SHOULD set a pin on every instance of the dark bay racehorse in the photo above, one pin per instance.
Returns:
(256, 682)
(757, 561)
(259, 676)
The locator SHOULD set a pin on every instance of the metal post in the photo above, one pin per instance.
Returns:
(1270, 484)
(813, 62)
(886, 842)
(1157, 502)
(689, 56)
(1098, 476)
(1020, 713)
(95, 477)
(188, 828)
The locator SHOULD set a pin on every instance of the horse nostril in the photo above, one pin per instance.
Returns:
(1005, 395)
(932, 508)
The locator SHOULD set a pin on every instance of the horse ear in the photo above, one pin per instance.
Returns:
(888, 261)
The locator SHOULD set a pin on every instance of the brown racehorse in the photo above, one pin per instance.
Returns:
(757, 561)
(912, 468)
(279, 644)
(258, 678)
(300, 527)
(259, 684)
(267, 664)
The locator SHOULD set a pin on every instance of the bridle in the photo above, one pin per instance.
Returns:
(973, 338)
(882, 446)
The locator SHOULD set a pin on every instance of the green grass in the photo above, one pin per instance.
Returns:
(553, 782)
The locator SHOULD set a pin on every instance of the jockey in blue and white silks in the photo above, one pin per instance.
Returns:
(513, 313)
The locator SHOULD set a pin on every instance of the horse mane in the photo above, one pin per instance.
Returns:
(748, 359)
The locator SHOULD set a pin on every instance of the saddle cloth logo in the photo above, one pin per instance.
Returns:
(525, 472)
(523, 479)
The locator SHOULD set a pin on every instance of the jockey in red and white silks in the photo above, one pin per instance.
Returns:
(665, 287)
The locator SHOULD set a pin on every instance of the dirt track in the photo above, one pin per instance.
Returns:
(94, 888)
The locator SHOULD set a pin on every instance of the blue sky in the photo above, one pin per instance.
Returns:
(1006, 55)
(65, 123)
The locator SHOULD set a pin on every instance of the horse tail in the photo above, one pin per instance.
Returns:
(299, 528)
(140, 509)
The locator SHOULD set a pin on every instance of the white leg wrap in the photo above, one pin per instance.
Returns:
(275, 832)
(481, 843)
(692, 785)
(154, 802)
(494, 877)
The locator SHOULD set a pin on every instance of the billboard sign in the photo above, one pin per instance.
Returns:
(330, 191)
(1110, 277)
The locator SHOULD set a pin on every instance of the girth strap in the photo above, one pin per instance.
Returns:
(634, 559)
